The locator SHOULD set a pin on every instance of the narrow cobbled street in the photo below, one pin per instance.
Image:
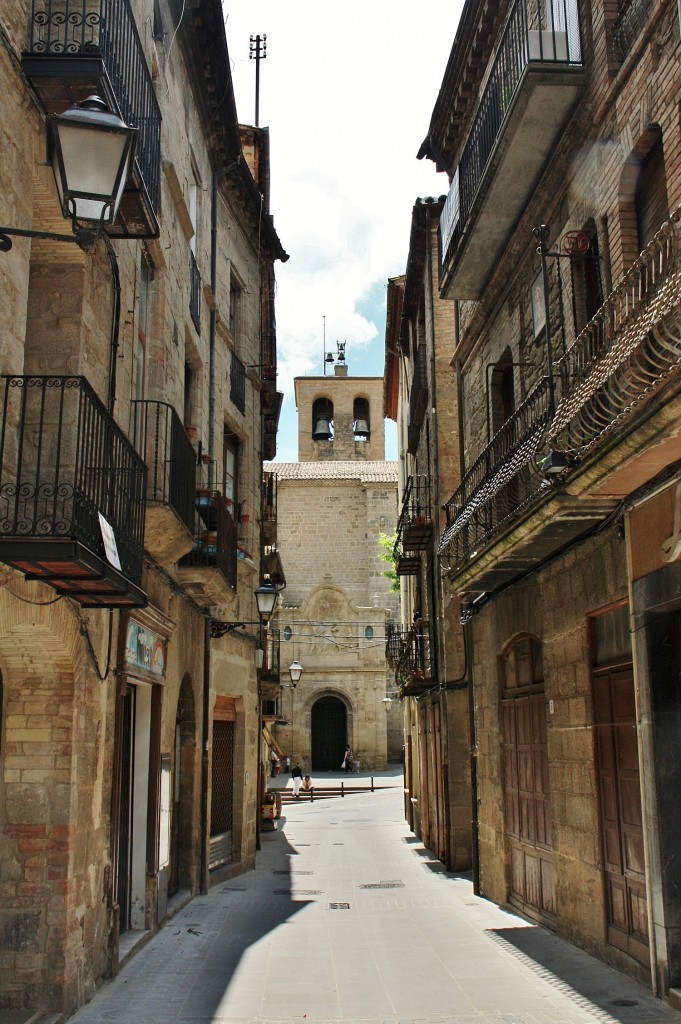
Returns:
(348, 918)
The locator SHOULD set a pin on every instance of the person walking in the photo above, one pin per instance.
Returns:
(297, 775)
(287, 764)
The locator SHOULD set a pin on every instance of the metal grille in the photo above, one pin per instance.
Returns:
(170, 458)
(222, 794)
(107, 27)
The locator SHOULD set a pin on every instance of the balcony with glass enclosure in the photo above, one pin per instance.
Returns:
(535, 79)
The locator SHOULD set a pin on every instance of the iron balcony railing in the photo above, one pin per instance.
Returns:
(408, 651)
(545, 33)
(107, 28)
(63, 462)
(237, 385)
(623, 357)
(418, 399)
(194, 292)
(215, 536)
(415, 523)
(268, 509)
(630, 24)
(170, 458)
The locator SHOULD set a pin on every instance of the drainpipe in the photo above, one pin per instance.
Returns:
(115, 320)
(213, 321)
(204, 756)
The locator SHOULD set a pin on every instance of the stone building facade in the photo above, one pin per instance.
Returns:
(138, 397)
(332, 507)
(426, 649)
(559, 246)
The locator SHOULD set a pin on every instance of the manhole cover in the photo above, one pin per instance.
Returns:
(339, 906)
(623, 1002)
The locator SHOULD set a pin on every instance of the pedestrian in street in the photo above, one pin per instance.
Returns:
(273, 764)
(297, 775)
(307, 783)
(349, 760)
(287, 764)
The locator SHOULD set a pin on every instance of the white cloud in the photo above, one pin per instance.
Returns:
(347, 91)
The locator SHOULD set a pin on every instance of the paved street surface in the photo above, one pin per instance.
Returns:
(347, 918)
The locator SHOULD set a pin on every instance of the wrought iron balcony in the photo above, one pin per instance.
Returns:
(418, 400)
(80, 47)
(630, 24)
(209, 570)
(415, 524)
(535, 79)
(71, 492)
(171, 476)
(605, 384)
(237, 383)
(194, 292)
(408, 654)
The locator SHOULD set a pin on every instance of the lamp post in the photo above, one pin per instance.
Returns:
(387, 703)
(92, 151)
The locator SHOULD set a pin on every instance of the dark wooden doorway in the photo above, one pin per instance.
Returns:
(532, 885)
(329, 734)
(620, 811)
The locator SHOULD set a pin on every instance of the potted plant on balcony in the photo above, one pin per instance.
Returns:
(191, 430)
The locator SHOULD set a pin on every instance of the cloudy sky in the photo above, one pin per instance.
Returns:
(347, 91)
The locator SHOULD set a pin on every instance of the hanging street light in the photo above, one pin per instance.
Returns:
(266, 597)
(295, 671)
(92, 153)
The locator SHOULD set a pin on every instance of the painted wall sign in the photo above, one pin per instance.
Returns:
(145, 649)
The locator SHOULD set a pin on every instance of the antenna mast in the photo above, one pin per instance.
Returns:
(257, 52)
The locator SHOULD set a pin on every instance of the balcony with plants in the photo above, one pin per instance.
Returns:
(171, 475)
(72, 492)
(408, 653)
(608, 425)
(209, 570)
(77, 49)
(535, 79)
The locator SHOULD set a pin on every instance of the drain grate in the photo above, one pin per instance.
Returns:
(293, 872)
(623, 1002)
(297, 892)
(338, 844)
(339, 906)
(382, 885)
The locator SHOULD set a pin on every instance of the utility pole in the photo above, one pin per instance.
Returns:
(257, 52)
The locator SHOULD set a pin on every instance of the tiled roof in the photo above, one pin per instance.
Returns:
(367, 472)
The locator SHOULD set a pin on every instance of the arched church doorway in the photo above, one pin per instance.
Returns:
(329, 734)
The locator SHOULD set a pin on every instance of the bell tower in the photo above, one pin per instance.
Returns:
(340, 418)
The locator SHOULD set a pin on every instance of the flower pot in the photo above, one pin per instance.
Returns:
(206, 460)
(245, 517)
(191, 430)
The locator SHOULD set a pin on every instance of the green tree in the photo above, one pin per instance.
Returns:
(387, 542)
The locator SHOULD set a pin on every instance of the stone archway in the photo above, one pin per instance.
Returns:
(182, 845)
(328, 733)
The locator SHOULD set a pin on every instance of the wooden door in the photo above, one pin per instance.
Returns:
(329, 737)
(526, 786)
(621, 811)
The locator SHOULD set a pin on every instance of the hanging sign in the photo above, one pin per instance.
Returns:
(109, 538)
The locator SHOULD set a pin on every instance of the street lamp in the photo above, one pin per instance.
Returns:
(295, 671)
(266, 597)
(92, 153)
(387, 703)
